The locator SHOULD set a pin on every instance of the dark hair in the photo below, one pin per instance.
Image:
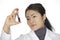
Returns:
(38, 7)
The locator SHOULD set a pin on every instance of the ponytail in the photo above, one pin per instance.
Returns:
(48, 25)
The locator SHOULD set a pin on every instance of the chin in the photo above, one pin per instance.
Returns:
(34, 29)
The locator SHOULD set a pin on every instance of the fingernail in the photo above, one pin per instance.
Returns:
(17, 9)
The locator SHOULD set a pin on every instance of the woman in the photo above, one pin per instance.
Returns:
(37, 21)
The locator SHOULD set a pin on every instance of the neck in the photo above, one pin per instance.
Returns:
(41, 33)
(40, 28)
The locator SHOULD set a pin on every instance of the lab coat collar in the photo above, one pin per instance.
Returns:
(47, 36)
(33, 35)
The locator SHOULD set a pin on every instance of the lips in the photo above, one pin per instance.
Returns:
(33, 25)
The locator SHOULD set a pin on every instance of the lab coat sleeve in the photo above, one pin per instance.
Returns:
(5, 36)
(21, 37)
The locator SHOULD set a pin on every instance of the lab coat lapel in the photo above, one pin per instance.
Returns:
(47, 36)
(33, 36)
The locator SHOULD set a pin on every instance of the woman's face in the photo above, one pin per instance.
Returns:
(35, 20)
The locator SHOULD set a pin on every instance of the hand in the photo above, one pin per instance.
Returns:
(11, 20)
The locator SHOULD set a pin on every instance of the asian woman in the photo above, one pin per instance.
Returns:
(41, 28)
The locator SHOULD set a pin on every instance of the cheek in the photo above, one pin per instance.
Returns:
(28, 22)
(39, 21)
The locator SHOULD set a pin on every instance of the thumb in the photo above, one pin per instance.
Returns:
(17, 23)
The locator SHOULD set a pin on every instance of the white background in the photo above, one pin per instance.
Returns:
(52, 12)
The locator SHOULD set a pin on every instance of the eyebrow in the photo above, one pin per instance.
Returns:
(31, 15)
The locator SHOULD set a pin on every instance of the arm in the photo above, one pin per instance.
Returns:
(10, 20)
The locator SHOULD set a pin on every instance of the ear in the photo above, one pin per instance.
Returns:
(44, 17)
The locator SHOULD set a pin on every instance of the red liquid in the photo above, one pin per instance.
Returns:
(19, 19)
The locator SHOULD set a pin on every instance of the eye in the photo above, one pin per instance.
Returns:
(34, 16)
(28, 19)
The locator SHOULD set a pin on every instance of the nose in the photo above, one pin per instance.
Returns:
(31, 20)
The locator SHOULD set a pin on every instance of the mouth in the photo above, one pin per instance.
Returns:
(33, 25)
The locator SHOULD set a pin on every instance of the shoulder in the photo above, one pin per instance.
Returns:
(29, 36)
(24, 37)
(53, 35)
(56, 36)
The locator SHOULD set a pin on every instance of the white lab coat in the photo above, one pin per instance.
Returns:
(32, 36)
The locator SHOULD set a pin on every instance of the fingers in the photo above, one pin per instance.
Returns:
(14, 13)
(9, 18)
(11, 21)
(16, 23)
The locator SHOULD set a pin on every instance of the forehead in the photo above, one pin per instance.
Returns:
(32, 12)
